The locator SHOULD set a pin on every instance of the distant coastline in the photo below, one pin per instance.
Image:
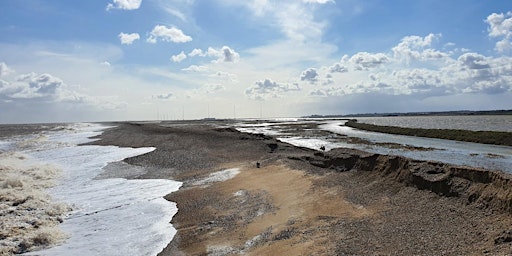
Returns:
(433, 113)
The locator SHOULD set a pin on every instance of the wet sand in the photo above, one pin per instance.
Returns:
(292, 205)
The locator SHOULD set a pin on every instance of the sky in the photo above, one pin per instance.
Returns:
(114, 60)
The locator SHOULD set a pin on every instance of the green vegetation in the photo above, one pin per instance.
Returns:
(485, 137)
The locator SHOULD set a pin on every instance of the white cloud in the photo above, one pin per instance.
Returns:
(267, 88)
(33, 88)
(504, 45)
(310, 75)
(338, 68)
(294, 19)
(196, 52)
(223, 54)
(500, 26)
(163, 96)
(195, 68)
(298, 22)
(328, 92)
(105, 63)
(426, 73)
(39, 86)
(128, 38)
(473, 61)
(124, 4)
(414, 48)
(5, 70)
(166, 34)
(180, 57)
(319, 1)
(365, 61)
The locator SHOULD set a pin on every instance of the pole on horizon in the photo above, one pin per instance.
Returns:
(234, 112)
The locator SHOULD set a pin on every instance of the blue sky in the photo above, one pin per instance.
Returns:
(169, 59)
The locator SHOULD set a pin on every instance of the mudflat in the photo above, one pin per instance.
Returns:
(302, 202)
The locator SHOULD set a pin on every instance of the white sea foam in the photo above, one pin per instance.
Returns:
(110, 216)
(29, 217)
(218, 176)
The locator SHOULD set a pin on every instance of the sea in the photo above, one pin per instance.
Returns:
(104, 216)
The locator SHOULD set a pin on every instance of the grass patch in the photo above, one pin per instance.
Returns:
(485, 137)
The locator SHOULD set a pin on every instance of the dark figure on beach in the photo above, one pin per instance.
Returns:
(322, 148)
(257, 164)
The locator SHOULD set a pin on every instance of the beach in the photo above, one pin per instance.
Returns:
(305, 202)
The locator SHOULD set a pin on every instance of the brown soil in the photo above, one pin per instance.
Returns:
(304, 203)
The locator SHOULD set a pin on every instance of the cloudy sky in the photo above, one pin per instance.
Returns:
(172, 59)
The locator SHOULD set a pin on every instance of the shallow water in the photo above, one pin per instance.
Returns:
(111, 216)
(491, 157)
(460, 153)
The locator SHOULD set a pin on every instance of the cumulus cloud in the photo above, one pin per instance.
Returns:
(168, 34)
(415, 81)
(163, 96)
(39, 86)
(196, 52)
(416, 69)
(124, 4)
(128, 38)
(33, 88)
(338, 68)
(5, 70)
(500, 26)
(180, 57)
(229, 55)
(416, 48)
(223, 54)
(309, 75)
(267, 88)
(473, 61)
(365, 61)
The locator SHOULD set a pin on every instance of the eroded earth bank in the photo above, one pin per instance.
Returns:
(304, 202)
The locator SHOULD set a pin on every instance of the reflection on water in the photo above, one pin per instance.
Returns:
(333, 134)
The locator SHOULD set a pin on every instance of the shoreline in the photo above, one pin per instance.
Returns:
(302, 201)
(52, 192)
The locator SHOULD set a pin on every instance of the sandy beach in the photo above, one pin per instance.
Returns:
(302, 202)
